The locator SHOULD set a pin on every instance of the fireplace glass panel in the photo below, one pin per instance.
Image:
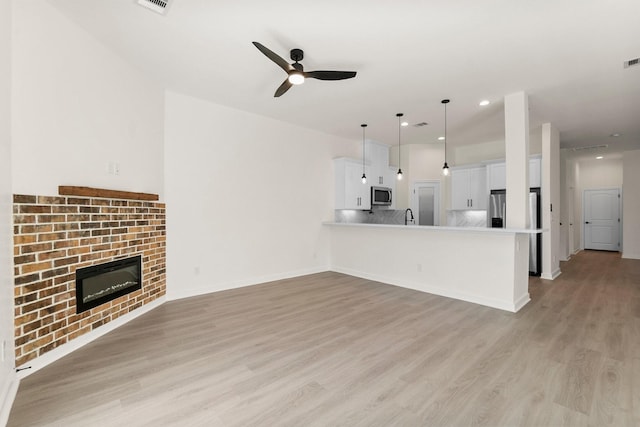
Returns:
(102, 283)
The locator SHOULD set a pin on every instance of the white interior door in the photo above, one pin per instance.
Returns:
(426, 202)
(602, 219)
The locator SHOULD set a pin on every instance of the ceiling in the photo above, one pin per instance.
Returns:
(567, 55)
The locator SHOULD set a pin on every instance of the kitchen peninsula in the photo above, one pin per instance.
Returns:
(487, 266)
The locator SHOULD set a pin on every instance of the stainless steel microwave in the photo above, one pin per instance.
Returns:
(381, 196)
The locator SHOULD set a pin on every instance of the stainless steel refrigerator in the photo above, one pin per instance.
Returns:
(498, 218)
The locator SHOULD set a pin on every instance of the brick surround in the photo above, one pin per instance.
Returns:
(55, 235)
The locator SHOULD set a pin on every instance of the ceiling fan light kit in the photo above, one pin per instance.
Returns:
(295, 71)
(296, 78)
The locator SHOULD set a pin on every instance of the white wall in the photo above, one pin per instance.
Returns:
(437, 260)
(551, 208)
(493, 150)
(425, 164)
(420, 162)
(7, 377)
(631, 205)
(564, 207)
(594, 174)
(246, 197)
(77, 106)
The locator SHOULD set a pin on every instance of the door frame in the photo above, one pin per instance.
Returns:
(433, 183)
(584, 226)
(571, 201)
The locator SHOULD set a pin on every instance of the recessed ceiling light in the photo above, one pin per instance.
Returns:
(441, 138)
(404, 124)
(599, 158)
(615, 135)
(484, 103)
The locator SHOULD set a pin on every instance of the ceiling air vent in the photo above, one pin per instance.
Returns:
(419, 125)
(631, 62)
(591, 147)
(158, 6)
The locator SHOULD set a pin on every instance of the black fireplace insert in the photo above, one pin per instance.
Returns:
(98, 284)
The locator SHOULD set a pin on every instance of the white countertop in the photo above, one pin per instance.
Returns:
(439, 228)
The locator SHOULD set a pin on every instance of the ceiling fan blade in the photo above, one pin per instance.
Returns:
(274, 57)
(283, 88)
(330, 75)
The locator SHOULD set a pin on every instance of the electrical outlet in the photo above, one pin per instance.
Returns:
(116, 168)
(196, 271)
(4, 350)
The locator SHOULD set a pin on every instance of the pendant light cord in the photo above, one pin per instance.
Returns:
(399, 115)
(363, 126)
(445, 167)
(364, 176)
(445, 132)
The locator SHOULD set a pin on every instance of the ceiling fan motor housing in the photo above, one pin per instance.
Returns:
(297, 55)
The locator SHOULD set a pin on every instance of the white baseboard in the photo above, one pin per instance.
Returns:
(463, 296)
(551, 276)
(521, 302)
(65, 349)
(9, 391)
(256, 280)
(628, 255)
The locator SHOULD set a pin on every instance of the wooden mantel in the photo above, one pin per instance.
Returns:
(66, 190)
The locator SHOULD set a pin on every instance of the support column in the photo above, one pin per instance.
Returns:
(550, 209)
(516, 132)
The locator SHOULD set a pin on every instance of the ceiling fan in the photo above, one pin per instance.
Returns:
(295, 71)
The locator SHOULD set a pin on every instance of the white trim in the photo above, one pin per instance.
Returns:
(521, 302)
(628, 255)
(68, 348)
(9, 392)
(512, 306)
(584, 225)
(553, 275)
(437, 199)
(192, 292)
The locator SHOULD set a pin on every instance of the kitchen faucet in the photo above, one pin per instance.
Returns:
(410, 212)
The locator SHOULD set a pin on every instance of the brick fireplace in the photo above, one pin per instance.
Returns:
(54, 236)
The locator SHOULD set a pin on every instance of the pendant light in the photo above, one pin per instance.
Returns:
(364, 177)
(399, 115)
(445, 168)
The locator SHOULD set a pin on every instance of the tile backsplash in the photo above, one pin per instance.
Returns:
(396, 217)
(375, 216)
(467, 218)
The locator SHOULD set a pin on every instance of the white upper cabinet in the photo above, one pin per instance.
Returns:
(350, 192)
(377, 154)
(497, 174)
(535, 164)
(469, 188)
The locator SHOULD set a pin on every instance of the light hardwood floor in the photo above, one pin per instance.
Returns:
(330, 349)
